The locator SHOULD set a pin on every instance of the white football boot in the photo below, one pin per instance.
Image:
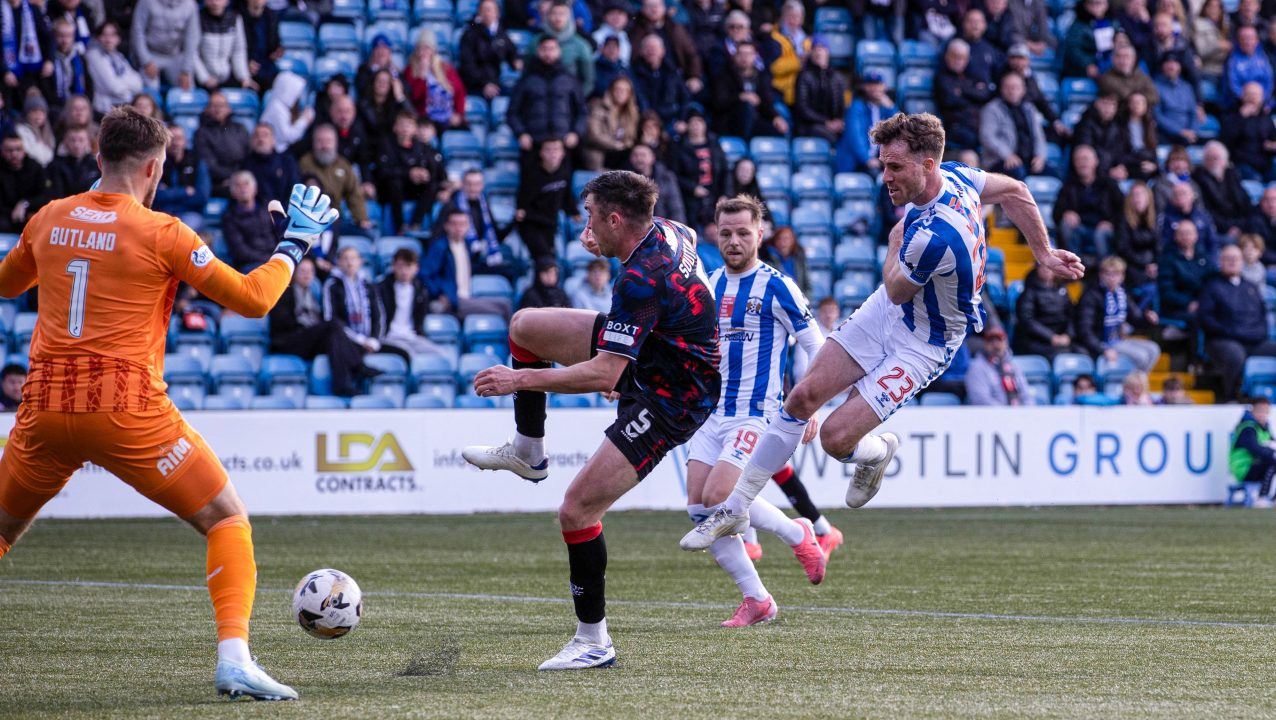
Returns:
(868, 476)
(720, 524)
(580, 654)
(503, 457)
(235, 680)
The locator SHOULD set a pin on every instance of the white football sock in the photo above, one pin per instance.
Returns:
(530, 450)
(750, 535)
(765, 516)
(773, 452)
(697, 512)
(870, 449)
(822, 526)
(593, 632)
(729, 552)
(235, 650)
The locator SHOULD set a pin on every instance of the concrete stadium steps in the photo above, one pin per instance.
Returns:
(1157, 378)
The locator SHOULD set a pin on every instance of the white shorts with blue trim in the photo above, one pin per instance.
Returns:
(726, 439)
(897, 364)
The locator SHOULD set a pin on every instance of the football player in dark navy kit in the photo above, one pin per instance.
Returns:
(657, 350)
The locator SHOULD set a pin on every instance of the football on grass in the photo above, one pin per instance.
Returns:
(327, 603)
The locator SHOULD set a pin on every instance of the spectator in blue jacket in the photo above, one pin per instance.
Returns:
(1181, 274)
(1234, 319)
(855, 151)
(447, 270)
(1178, 114)
(1247, 63)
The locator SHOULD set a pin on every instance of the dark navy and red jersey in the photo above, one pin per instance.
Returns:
(663, 317)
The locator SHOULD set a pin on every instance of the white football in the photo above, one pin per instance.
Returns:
(327, 603)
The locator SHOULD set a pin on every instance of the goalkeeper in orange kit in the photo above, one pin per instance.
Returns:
(108, 268)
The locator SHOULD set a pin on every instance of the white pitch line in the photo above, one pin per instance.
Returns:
(690, 605)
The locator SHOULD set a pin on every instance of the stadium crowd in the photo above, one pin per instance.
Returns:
(457, 137)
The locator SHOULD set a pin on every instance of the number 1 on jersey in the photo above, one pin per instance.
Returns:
(78, 269)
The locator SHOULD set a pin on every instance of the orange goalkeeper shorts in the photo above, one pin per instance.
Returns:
(157, 453)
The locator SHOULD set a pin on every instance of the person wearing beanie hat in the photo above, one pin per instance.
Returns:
(545, 291)
(36, 131)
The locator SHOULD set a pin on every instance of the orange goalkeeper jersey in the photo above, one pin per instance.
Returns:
(108, 270)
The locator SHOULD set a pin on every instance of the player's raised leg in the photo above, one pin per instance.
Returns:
(832, 371)
(607, 476)
(538, 338)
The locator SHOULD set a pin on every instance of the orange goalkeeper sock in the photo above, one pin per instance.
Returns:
(4, 547)
(232, 576)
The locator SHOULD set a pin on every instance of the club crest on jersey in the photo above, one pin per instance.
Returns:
(88, 215)
(202, 256)
(753, 306)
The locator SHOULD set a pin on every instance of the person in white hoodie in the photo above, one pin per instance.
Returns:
(223, 48)
(115, 80)
(284, 113)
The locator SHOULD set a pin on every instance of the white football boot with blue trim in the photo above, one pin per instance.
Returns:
(580, 654)
(503, 457)
(235, 680)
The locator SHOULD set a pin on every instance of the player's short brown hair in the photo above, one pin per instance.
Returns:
(922, 132)
(629, 194)
(129, 136)
(739, 203)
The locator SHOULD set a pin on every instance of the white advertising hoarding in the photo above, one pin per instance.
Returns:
(409, 461)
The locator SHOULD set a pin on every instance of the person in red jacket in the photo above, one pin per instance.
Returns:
(434, 88)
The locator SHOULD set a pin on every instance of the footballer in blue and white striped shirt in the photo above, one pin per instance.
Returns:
(759, 309)
(904, 335)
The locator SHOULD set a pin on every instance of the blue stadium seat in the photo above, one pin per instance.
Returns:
(841, 48)
(770, 150)
(558, 400)
(186, 403)
(1113, 371)
(237, 327)
(445, 393)
(873, 52)
(396, 31)
(333, 64)
(1253, 188)
(389, 9)
(807, 218)
(228, 370)
(296, 61)
(1211, 94)
(372, 402)
(443, 329)
(7, 241)
(854, 256)
(321, 376)
(392, 366)
(470, 365)
(485, 328)
(832, 20)
(497, 108)
(466, 10)
(774, 180)
(349, 9)
(472, 402)
(477, 111)
(916, 83)
(1035, 368)
(939, 399)
(806, 187)
(580, 178)
(425, 401)
(189, 123)
(364, 244)
(186, 102)
(733, 148)
(433, 370)
(1044, 62)
(387, 245)
(338, 36)
(1048, 82)
(183, 370)
(854, 186)
(224, 402)
(1044, 188)
(522, 40)
(396, 393)
(326, 402)
(1077, 92)
(1258, 371)
(491, 286)
(23, 327)
(502, 146)
(812, 150)
(296, 35)
(242, 101)
(461, 145)
(854, 287)
(274, 402)
(918, 54)
(856, 216)
(432, 11)
(1067, 366)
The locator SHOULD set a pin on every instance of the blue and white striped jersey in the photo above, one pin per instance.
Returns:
(758, 311)
(944, 251)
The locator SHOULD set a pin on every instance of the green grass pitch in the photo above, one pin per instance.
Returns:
(1097, 613)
